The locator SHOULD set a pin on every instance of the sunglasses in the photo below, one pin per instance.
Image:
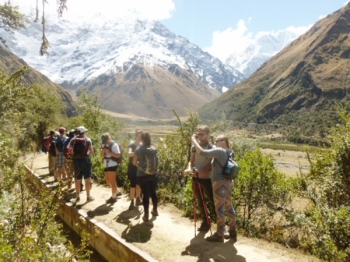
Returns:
(203, 134)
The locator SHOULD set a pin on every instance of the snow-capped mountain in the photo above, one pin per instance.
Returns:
(82, 51)
(262, 48)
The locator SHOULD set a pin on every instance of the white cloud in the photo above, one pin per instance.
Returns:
(85, 9)
(235, 41)
(346, 2)
(321, 17)
(231, 40)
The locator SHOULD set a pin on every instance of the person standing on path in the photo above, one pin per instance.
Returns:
(81, 149)
(51, 154)
(203, 165)
(222, 187)
(110, 152)
(135, 189)
(146, 160)
(61, 161)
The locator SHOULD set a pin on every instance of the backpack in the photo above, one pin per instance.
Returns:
(43, 147)
(120, 159)
(80, 147)
(47, 141)
(65, 149)
(231, 168)
(149, 161)
(60, 143)
(52, 147)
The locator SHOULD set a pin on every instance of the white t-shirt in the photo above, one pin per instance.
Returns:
(110, 162)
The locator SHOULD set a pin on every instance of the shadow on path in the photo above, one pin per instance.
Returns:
(212, 251)
(141, 232)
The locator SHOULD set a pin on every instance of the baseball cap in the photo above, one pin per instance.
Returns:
(82, 129)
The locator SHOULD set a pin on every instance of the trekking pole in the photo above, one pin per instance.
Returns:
(203, 202)
(194, 205)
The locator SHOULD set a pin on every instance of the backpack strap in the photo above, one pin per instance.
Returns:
(229, 154)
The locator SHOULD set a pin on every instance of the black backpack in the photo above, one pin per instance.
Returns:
(149, 161)
(52, 148)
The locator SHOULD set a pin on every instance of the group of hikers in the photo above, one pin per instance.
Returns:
(69, 158)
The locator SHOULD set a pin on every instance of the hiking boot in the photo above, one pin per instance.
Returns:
(204, 227)
(233, 234)
(111, 200)
(131, 207)
(154, 212)
(138, 201)
(90, 198)
(145, 217)
(215, 238)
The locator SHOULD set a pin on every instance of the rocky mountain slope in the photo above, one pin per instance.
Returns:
(300, 86)
(84, 52)
(10, 63)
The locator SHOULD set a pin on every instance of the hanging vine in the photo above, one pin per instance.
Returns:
(45, 44)
(62, 5)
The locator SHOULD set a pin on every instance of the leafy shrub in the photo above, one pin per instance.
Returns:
(258, 191)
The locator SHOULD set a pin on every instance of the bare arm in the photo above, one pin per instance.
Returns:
(135, 160)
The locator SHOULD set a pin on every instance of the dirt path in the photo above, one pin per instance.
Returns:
(170, 236)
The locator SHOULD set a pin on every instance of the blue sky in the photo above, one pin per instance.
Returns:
(197, 20)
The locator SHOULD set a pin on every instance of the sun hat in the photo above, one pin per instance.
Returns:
(82, 129)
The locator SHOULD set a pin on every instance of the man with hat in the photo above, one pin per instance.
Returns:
(82, 149)
(60, 160)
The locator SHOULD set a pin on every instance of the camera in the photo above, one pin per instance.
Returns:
(104, 139)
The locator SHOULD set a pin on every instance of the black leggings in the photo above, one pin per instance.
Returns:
(148, 186)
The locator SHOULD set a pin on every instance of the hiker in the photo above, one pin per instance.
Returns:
(51, 154)
(111, 152)
(69, 158)
(222, 187)
(203, 166)
(81, 149)
(135, 189)
(146, 160)
(60, 160)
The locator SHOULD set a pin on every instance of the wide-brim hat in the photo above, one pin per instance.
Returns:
(82, 129)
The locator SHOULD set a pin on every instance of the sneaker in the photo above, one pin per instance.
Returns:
(90, 198)
(138, 201)
(131, 207)
(119, 193)
(111, 200)
(215, 238)
(204, 227)
(154, 212)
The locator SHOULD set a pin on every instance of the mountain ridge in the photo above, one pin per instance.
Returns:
(301, 85)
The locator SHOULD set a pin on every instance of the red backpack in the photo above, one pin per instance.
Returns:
(80, 147)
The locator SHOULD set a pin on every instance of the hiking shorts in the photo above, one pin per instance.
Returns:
(111, 168)
(132, 174)
(60, 160)
(82, 168)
